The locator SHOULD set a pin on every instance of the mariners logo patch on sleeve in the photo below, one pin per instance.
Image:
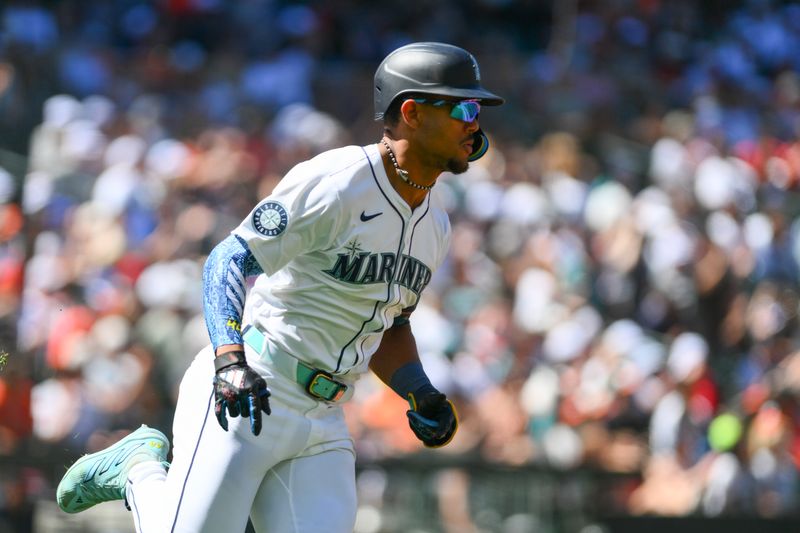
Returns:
(270, 219)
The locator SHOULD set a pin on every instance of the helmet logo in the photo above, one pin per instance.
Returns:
(475, 68)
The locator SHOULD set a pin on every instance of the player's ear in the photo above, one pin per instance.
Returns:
(410, 113)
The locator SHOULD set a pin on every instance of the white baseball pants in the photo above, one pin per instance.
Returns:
(297, 476)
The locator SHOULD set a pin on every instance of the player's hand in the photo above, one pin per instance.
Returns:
(240, 390)
(432, 418)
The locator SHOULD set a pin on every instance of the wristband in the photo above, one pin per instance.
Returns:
(229, 359)
(410, 379)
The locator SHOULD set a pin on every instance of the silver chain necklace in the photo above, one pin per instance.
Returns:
(404, 173)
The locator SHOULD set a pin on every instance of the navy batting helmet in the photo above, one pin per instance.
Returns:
(437, 69)
(429, 68)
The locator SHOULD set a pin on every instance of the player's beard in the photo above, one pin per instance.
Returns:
(457, 166)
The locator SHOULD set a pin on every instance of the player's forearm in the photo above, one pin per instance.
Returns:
(397, 362)
(224, 290)
(397, 349)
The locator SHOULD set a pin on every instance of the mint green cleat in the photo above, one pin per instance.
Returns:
(101, 476)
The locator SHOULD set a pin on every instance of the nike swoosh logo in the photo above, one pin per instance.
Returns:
(365, 217)
(113, 460)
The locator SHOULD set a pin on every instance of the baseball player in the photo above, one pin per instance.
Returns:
(343, 248)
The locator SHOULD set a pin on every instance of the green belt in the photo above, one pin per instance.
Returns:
(317, 383)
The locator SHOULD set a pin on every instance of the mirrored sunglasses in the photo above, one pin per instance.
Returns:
(464, 110)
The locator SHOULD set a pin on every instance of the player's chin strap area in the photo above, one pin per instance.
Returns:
(480, 145)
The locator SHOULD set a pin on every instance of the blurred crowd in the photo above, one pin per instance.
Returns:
(621, 292)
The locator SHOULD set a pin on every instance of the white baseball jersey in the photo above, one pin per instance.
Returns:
(343, 255)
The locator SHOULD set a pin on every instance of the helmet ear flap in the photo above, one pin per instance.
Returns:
(480, 144)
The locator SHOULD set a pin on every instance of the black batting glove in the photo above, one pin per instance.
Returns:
(432, 417)
(240, 390)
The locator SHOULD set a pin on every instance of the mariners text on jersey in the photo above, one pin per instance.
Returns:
(366, 267)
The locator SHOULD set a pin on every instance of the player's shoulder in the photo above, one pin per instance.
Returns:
(332, 170)
(339, 163)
